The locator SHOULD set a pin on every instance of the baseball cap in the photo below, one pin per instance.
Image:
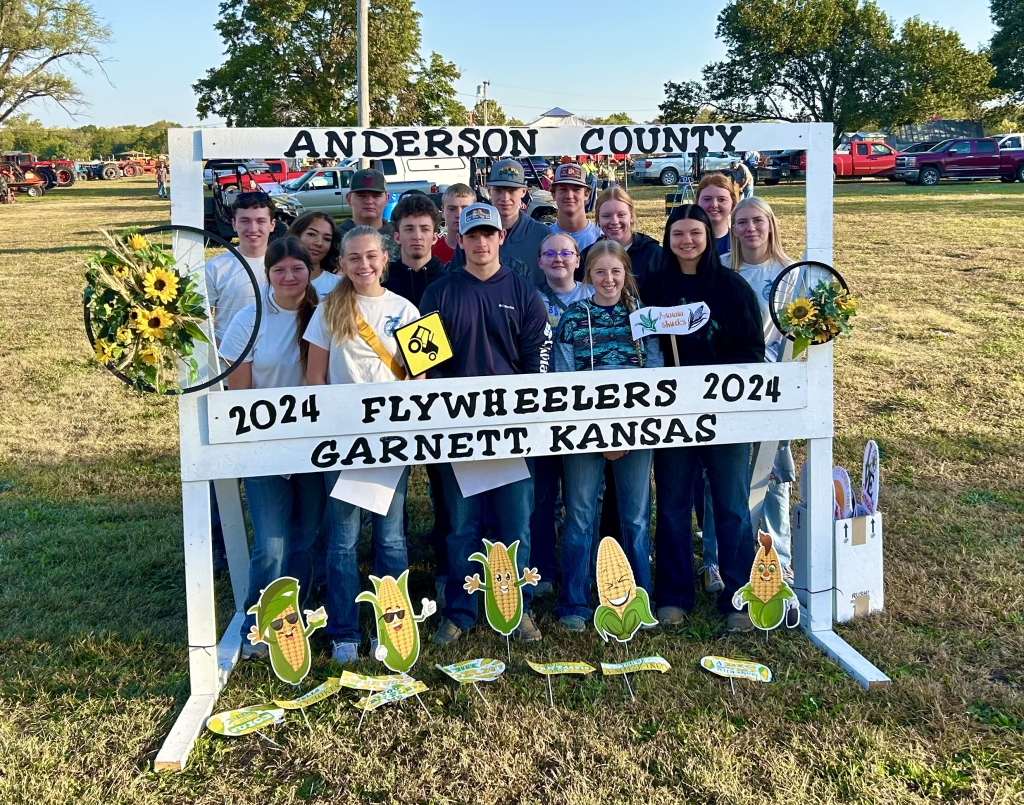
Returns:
(507, 173)
(368, 179)
(570, 173)
(476, 215)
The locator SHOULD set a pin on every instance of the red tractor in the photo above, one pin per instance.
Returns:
(136, 163)
(22, 181)
(54, 172)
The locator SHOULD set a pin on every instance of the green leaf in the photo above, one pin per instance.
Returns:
(195, 332)
(800, 345)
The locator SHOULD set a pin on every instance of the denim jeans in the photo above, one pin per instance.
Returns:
(728, 472)
(583, 476)
(390, 557)
(285, 514)
(774, 520)
(548, 475)
(514, 503)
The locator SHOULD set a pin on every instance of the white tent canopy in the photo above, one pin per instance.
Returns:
(557, 117)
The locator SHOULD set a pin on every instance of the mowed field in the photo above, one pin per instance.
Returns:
(93, 664)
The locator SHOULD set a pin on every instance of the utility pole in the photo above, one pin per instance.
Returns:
(363, 68)
(481, 91)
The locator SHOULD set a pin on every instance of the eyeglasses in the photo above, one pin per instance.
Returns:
(565, 254)
(390, 616)
(278, 625)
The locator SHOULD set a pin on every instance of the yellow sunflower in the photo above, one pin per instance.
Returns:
(124, 334)
(161, 285)
(149, 355)
(800, 311)
(821, 338)
(153, 323)
(137, 242)
(135, 317)
(846, 303)
(104, 351)
(119, 270)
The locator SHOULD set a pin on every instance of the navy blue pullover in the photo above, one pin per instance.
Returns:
(496, 326)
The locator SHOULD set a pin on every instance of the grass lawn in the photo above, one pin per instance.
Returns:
(93, 664)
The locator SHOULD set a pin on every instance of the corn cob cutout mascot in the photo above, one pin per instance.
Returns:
(398, 636)
(769, 598)
(624, 606)
(279, 625)
(503, 590)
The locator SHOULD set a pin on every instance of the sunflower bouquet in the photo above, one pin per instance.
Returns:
(818, 317)
(144, 315)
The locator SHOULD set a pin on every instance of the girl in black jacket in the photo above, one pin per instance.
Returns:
(690, 272)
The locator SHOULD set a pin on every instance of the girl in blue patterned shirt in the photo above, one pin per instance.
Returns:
(595, 335)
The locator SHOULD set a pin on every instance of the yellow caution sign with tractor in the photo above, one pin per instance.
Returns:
(424, 343)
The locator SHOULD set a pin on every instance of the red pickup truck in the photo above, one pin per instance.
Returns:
(863, 159)
(267, 171)
(962, 159)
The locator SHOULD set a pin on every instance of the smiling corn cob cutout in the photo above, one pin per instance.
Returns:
(503, 590)
(624, 606)
(769, 598)
(279, 625)
(398, 636)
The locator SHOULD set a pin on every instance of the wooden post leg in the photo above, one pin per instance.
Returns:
(820, 555)
(236, 546)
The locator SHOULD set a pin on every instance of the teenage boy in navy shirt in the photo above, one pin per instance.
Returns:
(497, 325)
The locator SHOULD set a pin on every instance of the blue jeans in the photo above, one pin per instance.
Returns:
(547, 477)
(728, 472)
(583, 476)
(514, 503)
(285, 514)
(774, 517)
(390, 557)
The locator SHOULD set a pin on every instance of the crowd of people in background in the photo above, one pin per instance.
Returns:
(517, 296)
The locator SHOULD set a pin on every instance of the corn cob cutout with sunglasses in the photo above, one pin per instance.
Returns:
(503, 589)
(398, 636)
(279, 625)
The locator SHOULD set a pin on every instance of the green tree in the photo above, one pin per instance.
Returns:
(837, 61)
(39, 41)
(1007, 48)
(495, 114)
(293, 62)
(614, 119)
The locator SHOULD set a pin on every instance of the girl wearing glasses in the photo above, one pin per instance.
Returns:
(595, 335)
(285, 510)
(559, 259)
(351, 340)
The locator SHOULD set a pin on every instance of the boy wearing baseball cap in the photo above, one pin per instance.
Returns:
(571, 191)
(497, 325)
(506, 184)
(368, 196)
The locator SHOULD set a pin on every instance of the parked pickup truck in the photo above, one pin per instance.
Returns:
(326, 190)
(267, 171)
(863, 159)
(961, 159)
(664, 170)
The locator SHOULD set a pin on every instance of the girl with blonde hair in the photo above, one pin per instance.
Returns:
(717, 194)
(595, 335)
(615, 214)
(352, 340)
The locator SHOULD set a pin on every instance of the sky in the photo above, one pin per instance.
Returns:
(587, 56)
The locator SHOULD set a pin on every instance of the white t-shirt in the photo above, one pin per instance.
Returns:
(354, 361)
(760, 277)
(325, 283)
(585, 237)
(275, 355)
(230, 288)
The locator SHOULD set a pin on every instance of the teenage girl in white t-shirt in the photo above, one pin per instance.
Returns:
(320, 235)
(351, 340)
(286, 511)
(756, 253)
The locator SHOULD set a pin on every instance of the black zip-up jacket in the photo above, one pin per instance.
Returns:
(644, 255)
(497, 326)
(734, 333)
(410, 284)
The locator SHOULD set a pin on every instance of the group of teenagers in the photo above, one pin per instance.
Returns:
(516, 296)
